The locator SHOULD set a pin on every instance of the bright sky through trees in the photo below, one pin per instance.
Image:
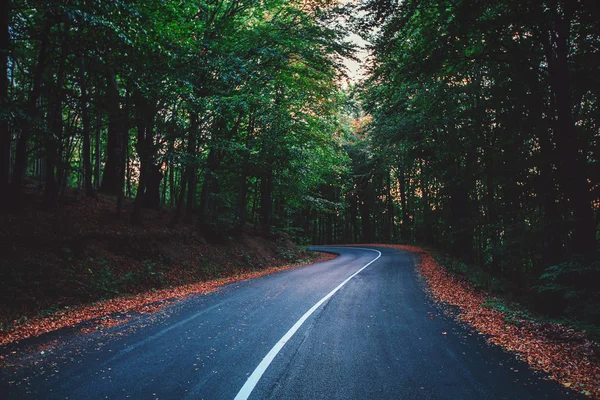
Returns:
(355, 69)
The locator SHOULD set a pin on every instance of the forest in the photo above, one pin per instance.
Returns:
(475, 132)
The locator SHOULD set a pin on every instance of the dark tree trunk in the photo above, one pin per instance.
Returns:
(54, 140)
(256, 192)
(390, 209)
(428, 237)
(5, 137)
(153, 180)
(460, 223)
(365, 219)
(242, 196)
(85, 132)
(98, 151)
(572, 167)
(553, 229)
(266, 200)
(179, 207)
(405, 228)
(354, 219)
(172, 195)
(22, 152)
(208, 188)
(113, 179)
(241, 205)
(209, 201)
(191, 167)
(491, 217)
(148, 193)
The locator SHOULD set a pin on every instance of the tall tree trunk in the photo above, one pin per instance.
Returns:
(54, 140)
(390, 209)
(266, 200)
(460, 210)
(128, 169)
(241, 205)
(191, 167)
(148, 193)
(98, 151)
(113, 178)
(5, 136)
(179, 207)
(405, 228)
(171, 175)
(428, 236)
(365, 219)
(22, 152)
(209, 202)
(207, 188)
(85, 132)
(572, 166)
(553, 230)
(354, 218)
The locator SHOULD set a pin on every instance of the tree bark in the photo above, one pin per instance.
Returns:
(113, 178)
(85, 132)
(54, 140)
(148, 193)
(5, 136)
(460, 209)
(22, 152)
(241, 205)
(572, 166)
(365, 219)
(405, 228)
(209, 202)
(172, 195)
(179, 208)
(98, 151)
(266, 200)
(191, 167)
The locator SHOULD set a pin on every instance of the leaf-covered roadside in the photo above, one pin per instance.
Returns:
(565, 354)
(150, 301)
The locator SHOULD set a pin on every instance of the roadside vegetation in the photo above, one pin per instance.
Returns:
(81, 263)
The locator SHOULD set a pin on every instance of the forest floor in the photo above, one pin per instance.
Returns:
(567, 355)
(82, 263)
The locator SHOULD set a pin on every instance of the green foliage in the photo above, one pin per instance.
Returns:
(481, 117)
(513, 313)
(206, 94)
(104, 282)
(286, 250)
(570, 288)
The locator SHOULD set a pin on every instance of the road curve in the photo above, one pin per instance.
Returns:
(357, 327)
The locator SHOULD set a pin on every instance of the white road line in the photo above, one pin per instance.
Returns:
(253, 379)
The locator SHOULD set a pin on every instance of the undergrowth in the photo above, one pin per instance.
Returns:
(561, 294)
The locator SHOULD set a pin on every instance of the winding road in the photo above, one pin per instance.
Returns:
(360, 326)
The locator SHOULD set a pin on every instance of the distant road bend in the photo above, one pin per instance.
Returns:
(357, 327)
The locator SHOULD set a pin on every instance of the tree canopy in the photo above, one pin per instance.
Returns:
(225, 110)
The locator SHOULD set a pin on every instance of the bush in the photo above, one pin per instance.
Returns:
(571, 289)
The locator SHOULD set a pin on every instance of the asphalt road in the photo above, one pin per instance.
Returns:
(357, 327)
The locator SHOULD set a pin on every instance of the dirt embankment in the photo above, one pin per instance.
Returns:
(81, 261)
